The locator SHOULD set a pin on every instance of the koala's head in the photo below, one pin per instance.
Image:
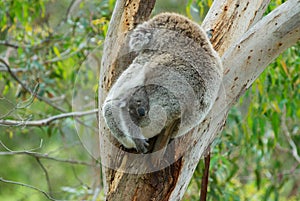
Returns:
(138, 107)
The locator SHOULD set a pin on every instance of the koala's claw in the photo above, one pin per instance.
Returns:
(141, 145)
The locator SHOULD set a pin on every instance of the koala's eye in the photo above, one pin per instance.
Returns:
(141, 111)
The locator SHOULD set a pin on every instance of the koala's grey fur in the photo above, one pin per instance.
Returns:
(173, 80)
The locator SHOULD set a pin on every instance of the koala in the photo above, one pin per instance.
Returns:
(169, 87)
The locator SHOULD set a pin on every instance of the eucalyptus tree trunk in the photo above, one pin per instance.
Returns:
(247, 43)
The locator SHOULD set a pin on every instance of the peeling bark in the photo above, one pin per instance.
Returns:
(247, 43)
(229, 19)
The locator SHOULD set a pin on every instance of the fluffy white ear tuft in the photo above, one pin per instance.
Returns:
(140, 38)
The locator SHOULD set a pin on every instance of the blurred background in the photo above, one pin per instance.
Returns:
(54, 48)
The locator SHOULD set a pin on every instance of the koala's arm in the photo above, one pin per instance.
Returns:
(114, 123)
(114, 127)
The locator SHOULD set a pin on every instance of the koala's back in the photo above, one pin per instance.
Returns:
(176, 31)
(182, 26)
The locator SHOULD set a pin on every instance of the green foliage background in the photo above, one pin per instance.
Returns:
(47, 41)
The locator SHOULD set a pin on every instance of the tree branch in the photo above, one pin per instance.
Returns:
(28, 186)
(47, 121)
(225, 17)
(65, 55)
(247, 58)
(205, 177)
(43, 156)
(5, 43)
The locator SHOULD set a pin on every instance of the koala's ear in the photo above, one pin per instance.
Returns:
(140, 37)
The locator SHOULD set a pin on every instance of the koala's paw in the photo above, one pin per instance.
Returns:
(139, 38)
(127, 142)
(141, 145)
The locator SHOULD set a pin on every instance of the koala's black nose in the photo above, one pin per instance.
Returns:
(141, 111)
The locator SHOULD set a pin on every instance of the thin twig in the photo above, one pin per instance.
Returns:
(8, 149)
(29, 45)
(14, 76)
(288, 136)
(19, 105)
(44, 156)
(28, 89)
(5, 43)
(96, 194)
(47, 121)
(69, 10)
(30, 100)
(78, 179)
(65, 55)
(282, 149)
(11, 108)
(14, 70)
(46, 175)
(28, 186)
